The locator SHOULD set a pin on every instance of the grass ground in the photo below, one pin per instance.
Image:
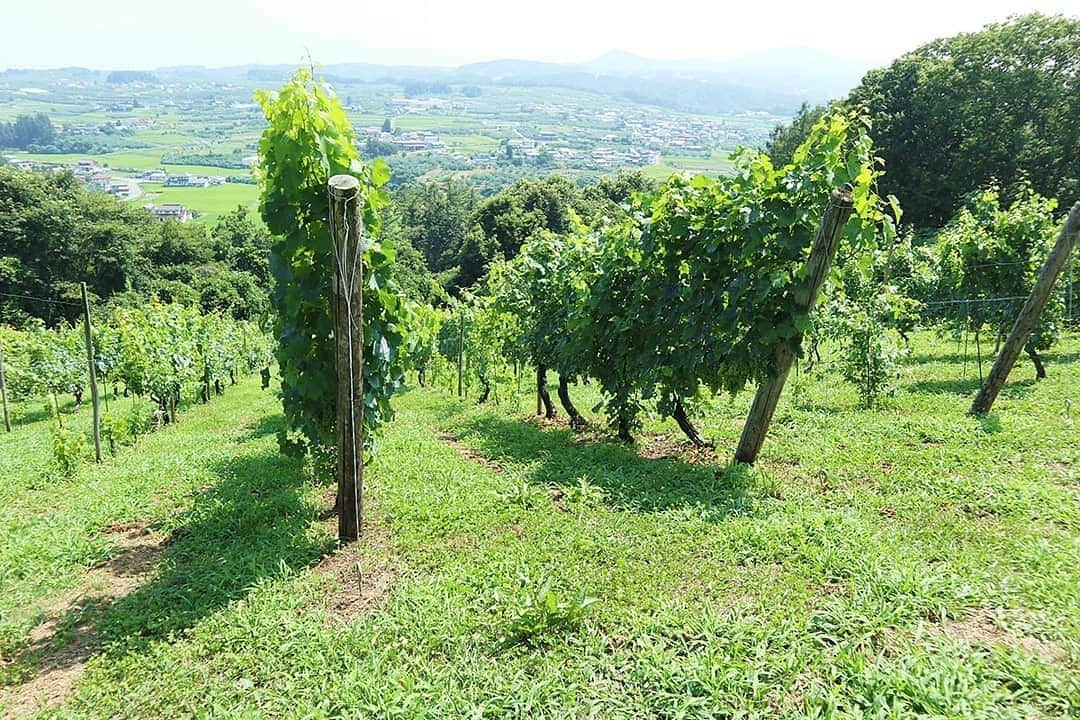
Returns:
(211, 202)
(903, 562)
(718, 163)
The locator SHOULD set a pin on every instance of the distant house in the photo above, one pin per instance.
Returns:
(185, 180)
(158, 176)
(120, 188)
(85, 168)
(179, 213)
(100, 180)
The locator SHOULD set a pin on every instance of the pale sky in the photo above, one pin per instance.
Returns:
(136, 34)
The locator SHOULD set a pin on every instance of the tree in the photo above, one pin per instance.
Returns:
(785, 139)
(387, 126)
(55, 234)
(611, 193)
(27, 130)
(528, 207)
(374, 148)
(959, 112)
(242, 243)
(435, 218)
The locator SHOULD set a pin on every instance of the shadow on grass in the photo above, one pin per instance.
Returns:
(267, 425)
(253, 523)
(559, 457)
(968, 387)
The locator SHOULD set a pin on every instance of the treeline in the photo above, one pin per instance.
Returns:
(458, 234)
(27, 130)
(232, 161)
(959, 113)
(121, 77)
(55, 234)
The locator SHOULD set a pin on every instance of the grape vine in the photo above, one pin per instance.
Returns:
(308, 139)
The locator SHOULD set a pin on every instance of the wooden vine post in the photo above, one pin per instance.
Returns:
(1029, 314)
(817, 269)
(3, 393)
(347, 283)
(95, 400)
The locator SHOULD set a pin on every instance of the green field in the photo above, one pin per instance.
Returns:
(471, 144)
(210, 202)
(903, 562)
(718, 163)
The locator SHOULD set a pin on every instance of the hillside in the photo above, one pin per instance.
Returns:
(907, 560)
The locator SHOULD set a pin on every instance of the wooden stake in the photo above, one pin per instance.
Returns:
(95, 401)
(817, 269)
(347, 283)
(3, 393)
(1029, 314)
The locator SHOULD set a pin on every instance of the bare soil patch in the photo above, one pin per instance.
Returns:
(361, 575)
(981, 629)
(61, 645)
(470, 453)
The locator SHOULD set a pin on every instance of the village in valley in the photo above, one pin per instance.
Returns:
(183, 143)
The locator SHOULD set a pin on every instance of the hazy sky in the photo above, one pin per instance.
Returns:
(136, 34)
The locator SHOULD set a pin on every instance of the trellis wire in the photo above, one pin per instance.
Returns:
(40, 299)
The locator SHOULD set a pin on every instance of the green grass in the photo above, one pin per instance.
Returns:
(907, 561)
(717, 163)
(130, 161)
(210, 202)
(471, 143)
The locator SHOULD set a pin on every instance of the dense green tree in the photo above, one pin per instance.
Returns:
(527, 207)
(379, 148)
(55, 234)
(956, 113)
(609, 194)
(242, 242)
(785, 139)
(435, 218)
(27, 130)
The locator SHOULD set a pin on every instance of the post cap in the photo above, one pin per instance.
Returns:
(343, 187)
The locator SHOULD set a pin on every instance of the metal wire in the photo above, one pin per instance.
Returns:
(40, 299)
(976, 300)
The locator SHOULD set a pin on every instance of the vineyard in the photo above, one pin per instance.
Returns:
(154, 353)
(793, 465)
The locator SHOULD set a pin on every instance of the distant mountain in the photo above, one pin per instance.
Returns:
(808, 72)
(775, 81)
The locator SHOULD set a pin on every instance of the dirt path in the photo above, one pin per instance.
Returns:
(61, 646)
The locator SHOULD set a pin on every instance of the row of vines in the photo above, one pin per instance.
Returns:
(688, 293)
(155, 351)
(698, 288)
(692, 291)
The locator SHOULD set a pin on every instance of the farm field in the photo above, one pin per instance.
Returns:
(210, 202)
(718, 163)
(907, 561)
